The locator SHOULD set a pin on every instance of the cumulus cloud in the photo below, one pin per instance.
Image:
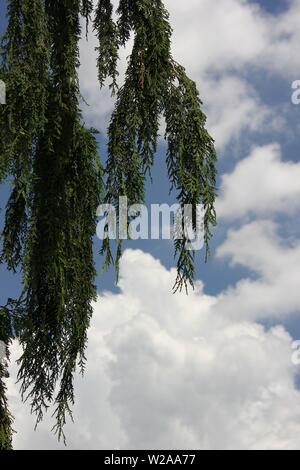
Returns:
(225, 41)
(234, 108)
(274, 294)
(230, 35)
(223, 35)
(261, 184)
(169, 371)
(281, 54)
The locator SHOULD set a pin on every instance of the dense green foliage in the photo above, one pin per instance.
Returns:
(24, 71)
(6, 419)
(155, 85)
(51, 214)
(57, 178)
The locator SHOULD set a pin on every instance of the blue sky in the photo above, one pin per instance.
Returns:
(231, 339)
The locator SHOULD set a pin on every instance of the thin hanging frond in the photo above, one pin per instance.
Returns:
(191, 161)
(108, 38)
(58, 266)
(6, 419)
(156, 86)
(87, 8)
(51, 215)
(24, 72)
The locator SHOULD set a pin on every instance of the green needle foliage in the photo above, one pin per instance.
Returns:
(155, 86)
(58, 266)
(24, 71)
(6, 418)
(51, 215)
(56, 175)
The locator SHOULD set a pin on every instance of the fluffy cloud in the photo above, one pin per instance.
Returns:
(284, 36)
(234, 108)
(261, 184)
(221, 35)
(275, 293)
(224, 41)
(169, 371)
(230, 35)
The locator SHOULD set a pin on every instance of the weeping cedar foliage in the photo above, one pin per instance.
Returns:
(57, 178)
(56, 189)
(6, 419)
(155, 85)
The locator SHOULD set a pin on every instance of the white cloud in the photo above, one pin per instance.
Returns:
(261, 184)
(224, 38)
(234, 108)
(224, 35)
(281, 55)
(229, 35)
(169, 371)
(275, 294)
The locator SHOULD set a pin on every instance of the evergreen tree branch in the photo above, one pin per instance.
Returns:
(6, 419)
(155, 86)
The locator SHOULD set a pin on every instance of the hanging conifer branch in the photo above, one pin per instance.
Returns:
(6, 419)
(134, 126)
(108, 37)
(59, 268)
(86, 12)
(51, 222)
(24, 71)
(191, 162)
(154, 86)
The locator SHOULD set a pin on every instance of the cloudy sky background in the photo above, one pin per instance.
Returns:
(212, 370)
